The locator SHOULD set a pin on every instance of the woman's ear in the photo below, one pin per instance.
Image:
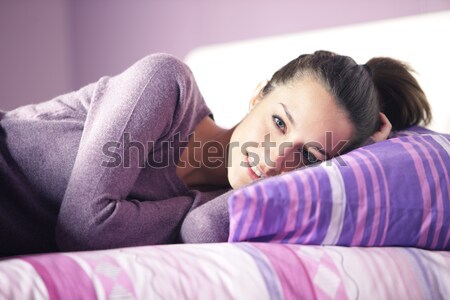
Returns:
(384, 130)
(257, 94)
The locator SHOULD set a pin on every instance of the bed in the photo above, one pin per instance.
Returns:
(371, 224)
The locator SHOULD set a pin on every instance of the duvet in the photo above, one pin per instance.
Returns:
(230, 271)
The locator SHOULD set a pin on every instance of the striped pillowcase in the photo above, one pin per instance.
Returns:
(393, 193)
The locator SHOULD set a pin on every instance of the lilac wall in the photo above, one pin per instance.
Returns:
(34, 51)
(64, 44)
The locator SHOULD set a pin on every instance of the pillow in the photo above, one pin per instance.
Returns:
(391, 193)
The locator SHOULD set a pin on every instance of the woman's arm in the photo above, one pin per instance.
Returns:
(141, 102)
(207, 223)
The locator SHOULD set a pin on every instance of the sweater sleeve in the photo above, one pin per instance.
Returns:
(95, 212)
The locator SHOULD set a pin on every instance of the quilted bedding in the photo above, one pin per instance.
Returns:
(230, 271)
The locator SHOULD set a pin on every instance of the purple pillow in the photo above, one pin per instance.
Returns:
(392, 193)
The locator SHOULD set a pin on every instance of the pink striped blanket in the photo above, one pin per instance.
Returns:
(230, 271)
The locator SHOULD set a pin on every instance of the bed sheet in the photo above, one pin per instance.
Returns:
(230, 271)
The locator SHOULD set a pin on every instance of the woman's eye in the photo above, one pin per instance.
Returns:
(309, 157)
(279, 123)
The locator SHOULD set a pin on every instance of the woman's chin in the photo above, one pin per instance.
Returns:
(233, 183)
(234, 180)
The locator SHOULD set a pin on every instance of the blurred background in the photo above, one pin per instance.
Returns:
(50, 47)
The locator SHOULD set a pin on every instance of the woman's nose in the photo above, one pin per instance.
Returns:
(280, 160)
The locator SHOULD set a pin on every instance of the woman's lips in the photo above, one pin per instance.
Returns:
(253, 171)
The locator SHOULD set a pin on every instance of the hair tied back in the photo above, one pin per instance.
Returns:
(368, 69)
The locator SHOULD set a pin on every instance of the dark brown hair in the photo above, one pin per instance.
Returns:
(382, 84)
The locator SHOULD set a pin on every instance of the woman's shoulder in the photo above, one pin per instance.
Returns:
(169, 76)
(161, 67)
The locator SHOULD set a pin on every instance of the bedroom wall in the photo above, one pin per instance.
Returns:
(35, 61)
(52, 46)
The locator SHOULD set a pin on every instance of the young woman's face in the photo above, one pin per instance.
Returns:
(293, 126)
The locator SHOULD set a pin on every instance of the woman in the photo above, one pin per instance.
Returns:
(121, 161)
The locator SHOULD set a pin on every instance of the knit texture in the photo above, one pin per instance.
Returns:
(94, 169)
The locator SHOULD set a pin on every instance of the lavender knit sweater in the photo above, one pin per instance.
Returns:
(93, 169)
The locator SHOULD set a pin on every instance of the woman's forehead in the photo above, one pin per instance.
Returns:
(316, 116)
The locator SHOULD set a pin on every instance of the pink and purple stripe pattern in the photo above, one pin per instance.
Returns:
(394, 193)
(230, 271)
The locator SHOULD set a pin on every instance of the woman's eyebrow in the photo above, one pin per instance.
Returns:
(288, 114)
(291, 119)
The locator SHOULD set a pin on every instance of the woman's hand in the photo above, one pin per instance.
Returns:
(384, 130)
